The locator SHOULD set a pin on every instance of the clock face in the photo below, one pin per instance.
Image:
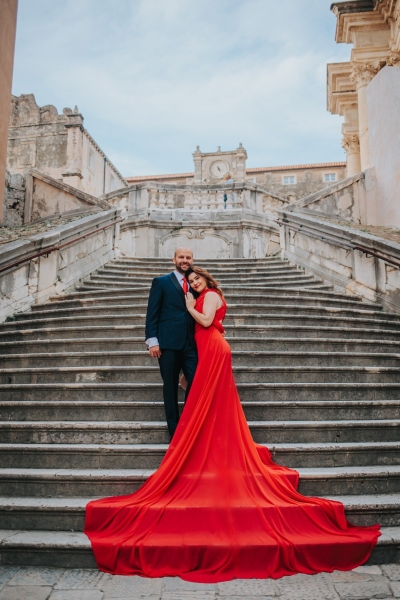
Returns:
(218, 169)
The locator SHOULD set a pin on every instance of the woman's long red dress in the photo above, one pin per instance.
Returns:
(218, 508)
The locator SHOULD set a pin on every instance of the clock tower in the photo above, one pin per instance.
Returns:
(213, 167)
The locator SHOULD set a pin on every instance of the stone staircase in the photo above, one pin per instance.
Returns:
(81, 412)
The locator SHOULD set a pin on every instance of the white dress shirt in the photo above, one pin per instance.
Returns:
(154, 341)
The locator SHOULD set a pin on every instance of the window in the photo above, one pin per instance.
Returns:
(289, 180)
(330, 177)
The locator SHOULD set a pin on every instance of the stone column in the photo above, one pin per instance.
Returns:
(73, 174)
(351, 143)
(361, 75)
(197, 158)
(8, 24)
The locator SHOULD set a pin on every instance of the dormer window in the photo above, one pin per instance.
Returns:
(328, 177)
(289, 179)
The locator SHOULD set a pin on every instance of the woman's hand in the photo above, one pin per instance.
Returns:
(190, 301)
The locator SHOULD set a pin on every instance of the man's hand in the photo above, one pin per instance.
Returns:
(155, 352)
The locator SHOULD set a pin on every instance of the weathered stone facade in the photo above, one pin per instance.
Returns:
(292, 182)
(59, 146)
(14, 200)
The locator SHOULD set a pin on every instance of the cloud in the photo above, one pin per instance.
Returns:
(154, 78)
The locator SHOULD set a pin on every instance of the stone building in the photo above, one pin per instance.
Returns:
(58, 145)
(365, 91)
(291, 181)
(8, 24)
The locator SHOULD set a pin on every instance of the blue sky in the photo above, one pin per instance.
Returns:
(155, 78)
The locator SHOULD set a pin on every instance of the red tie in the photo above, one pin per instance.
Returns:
(185, 286)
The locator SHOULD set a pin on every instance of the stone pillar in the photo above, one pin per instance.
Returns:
(8, 24)
(351, 143)
(197, 166)
(361, 75)
(73, 174)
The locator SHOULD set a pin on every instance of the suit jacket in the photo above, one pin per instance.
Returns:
(167, 318)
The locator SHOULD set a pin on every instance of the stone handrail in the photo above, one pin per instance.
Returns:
(155, 196)
(35, 267)
(354, 261)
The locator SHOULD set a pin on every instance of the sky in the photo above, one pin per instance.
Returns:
(155, 78)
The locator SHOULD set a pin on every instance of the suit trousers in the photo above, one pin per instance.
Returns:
(172, 362)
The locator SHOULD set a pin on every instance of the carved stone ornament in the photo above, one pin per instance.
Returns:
(351, 143)
(394, 59)
(363, 73)
(196, 234)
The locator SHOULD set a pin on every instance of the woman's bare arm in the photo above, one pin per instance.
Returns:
(212, 302)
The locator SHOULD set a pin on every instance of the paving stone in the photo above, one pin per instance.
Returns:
(83, 579)
(120, 586)
(5, 575)
(26, 592)
(172, 584)
(245, 587)
(151, 597)
(392, 571)
(363, 590)
(307, 587)
(189, 595)
(368, 569)
(350, 576)
(36, 576)
(72, 595)
(395, 586)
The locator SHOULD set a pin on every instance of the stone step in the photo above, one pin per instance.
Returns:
(137, 299)
(167, 263)
(148, 456)
(156, 432)
(69, 549)
(242, 344)
(98, 483)
(283, 319)
(153, 391)
(280, 277)
(240, 358)
(238, 331)
(154, 271)
(68, 514)
(114, 410)
(286, 283)
(250, 308)
(230, 275)
(243, 374)
(88, 292)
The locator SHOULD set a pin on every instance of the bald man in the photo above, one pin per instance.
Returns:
(170, 333)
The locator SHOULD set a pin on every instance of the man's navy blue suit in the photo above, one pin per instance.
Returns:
(169, 321)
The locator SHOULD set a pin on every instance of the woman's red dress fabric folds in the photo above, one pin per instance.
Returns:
(218, 508)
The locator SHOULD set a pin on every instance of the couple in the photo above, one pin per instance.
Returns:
(218, 507)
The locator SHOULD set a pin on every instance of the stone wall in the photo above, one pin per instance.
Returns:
(14, 200)
(54, 262)
(59, 146)
(383, 103)
(352, 260)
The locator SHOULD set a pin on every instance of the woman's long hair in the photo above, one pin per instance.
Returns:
(211, 282)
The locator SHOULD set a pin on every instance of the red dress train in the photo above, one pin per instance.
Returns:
(218, 508)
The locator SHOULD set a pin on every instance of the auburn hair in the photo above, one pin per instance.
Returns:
(211, 282)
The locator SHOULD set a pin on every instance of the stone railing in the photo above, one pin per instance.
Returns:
(35, 267)
(153, 196)
(354, 261)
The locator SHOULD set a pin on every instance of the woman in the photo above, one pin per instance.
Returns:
(218, 508)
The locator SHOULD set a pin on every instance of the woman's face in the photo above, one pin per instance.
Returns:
(197, 282)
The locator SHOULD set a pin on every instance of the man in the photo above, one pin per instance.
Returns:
(170, 333)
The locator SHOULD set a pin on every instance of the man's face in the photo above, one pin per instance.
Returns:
(183, 259)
